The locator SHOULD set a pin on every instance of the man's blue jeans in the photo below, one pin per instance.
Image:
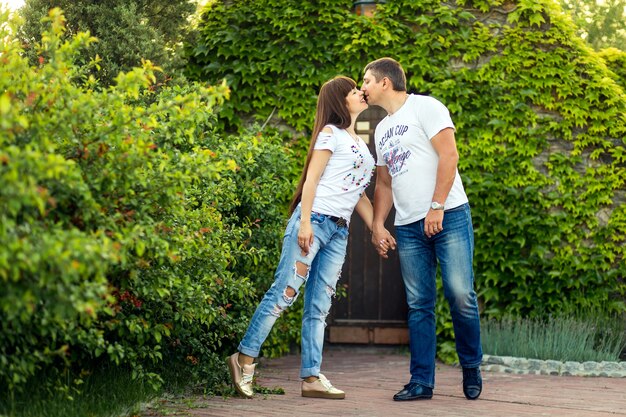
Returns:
(322, 268)
(453, 249)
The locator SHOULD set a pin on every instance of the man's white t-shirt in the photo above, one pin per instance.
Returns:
(403, 145)
(346, 176)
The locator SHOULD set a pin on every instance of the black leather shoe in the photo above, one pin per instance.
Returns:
(414, 391)
(472, 383)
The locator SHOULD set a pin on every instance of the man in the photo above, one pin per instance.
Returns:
(417, 173)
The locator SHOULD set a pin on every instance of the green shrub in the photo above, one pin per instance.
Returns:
(127, 32)
(615, 60)
(259, 192)
(124, 236)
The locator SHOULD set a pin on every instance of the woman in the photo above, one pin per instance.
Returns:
(338, 168)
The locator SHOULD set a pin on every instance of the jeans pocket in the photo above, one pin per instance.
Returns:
(294, 221)
(318, 218)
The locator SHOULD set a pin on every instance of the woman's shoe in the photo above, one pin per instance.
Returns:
(241, 376)
(321, 388)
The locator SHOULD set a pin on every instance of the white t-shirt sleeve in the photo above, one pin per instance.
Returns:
(326, 141)
(434, 117)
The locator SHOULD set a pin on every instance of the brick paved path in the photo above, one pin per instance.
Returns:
(370, 377)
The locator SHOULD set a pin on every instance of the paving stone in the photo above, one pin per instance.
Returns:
(370, 377)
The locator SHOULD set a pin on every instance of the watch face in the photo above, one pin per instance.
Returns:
(436, 206)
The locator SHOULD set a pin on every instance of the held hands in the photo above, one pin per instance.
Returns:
(383, 241)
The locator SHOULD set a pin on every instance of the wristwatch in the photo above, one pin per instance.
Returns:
(436, 206)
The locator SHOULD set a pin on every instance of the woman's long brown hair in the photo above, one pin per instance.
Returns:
(331, 109)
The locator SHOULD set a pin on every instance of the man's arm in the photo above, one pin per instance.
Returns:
(383, 201)
(444, 144)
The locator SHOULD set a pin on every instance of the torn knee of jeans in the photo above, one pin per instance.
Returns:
(289, 294)
(277, 311)
(322, 317)
(330, 291)
(302, 271)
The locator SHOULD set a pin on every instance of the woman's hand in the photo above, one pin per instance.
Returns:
(383, 241)
(305, 236)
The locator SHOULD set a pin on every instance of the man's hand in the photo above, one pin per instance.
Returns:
(383, 241)
(433, 223)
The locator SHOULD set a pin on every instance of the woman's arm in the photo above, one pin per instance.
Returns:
(366, 211)
(317, 165)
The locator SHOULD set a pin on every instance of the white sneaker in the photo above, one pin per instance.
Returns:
(241, 377)
(321, 388)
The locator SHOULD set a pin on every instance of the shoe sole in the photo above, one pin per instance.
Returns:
(318, 394)
(419, 397)
(480, 390)
(232, 367)
(472, 398)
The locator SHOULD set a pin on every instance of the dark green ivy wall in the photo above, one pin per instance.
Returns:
(540, 120)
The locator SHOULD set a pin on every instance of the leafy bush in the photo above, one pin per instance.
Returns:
(123, 239)
(127, 32)
(255, 196)
(616, 61)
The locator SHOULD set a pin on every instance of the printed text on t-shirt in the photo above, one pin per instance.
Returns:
(397, 130)
(394, 155)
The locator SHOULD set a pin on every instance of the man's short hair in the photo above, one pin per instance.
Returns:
(390, 68)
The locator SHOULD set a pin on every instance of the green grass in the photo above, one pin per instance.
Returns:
(572, 337)
(108, 392)
(111, 392)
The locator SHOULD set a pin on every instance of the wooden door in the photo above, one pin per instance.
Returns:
(374, 309)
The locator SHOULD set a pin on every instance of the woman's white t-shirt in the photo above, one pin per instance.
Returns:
(403, 145)
(346, 176)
